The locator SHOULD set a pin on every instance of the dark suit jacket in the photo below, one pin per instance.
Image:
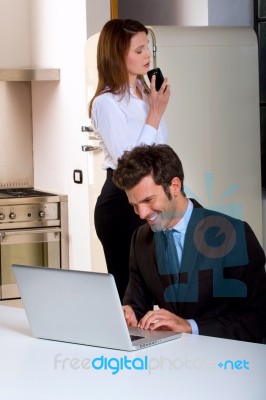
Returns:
(222, 283)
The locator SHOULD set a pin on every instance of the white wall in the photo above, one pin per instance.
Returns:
(14, 33)
(50, 33)
(15, 97)
(58, 37)
(58, 32)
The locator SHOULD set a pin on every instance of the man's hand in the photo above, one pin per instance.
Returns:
(130, 316)
(164, 320)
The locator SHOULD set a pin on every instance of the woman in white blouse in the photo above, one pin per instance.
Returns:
(124, 112)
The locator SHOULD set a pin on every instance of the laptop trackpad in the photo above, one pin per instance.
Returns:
(148, 335)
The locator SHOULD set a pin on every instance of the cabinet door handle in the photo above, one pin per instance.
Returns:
(87, 129)
(87, 147)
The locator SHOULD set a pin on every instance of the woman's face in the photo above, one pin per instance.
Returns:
(138, 56)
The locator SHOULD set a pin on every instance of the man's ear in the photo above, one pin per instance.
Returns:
(175, 186)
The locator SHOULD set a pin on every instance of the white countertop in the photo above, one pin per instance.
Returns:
(186, 368)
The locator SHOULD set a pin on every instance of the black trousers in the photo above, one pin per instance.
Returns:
(115, 221)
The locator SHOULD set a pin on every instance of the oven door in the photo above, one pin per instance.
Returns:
(36, 247)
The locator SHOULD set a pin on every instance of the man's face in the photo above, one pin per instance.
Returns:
(150, 202)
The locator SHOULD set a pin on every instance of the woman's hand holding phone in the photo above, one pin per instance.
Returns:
(158, 77)
(158, 99)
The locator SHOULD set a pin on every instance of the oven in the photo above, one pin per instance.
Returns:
(33, 231)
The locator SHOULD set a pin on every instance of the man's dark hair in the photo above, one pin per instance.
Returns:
(158, 160)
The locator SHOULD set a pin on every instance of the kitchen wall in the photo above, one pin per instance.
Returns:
(43, 119)
(15, 97)
(14, 33)
(59, 34)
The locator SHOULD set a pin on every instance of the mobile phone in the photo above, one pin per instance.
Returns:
(159, 77)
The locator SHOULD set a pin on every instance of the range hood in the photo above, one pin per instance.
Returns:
(29, 74)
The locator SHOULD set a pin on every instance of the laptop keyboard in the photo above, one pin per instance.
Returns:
(135, 337)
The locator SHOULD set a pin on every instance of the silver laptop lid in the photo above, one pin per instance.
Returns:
(73, 306)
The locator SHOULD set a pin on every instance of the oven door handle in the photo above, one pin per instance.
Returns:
(20, 232)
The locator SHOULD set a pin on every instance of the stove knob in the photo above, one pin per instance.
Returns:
(42, 213)
(12, 215)
(2, 216)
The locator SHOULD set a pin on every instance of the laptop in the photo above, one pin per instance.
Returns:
(79, 307)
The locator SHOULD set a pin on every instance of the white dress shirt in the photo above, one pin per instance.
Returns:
(121, 124)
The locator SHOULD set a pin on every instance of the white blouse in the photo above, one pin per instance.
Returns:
(120, 124)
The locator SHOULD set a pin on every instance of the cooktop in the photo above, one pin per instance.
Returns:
(22, 192)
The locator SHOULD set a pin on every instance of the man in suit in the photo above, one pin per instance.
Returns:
(216, 283)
